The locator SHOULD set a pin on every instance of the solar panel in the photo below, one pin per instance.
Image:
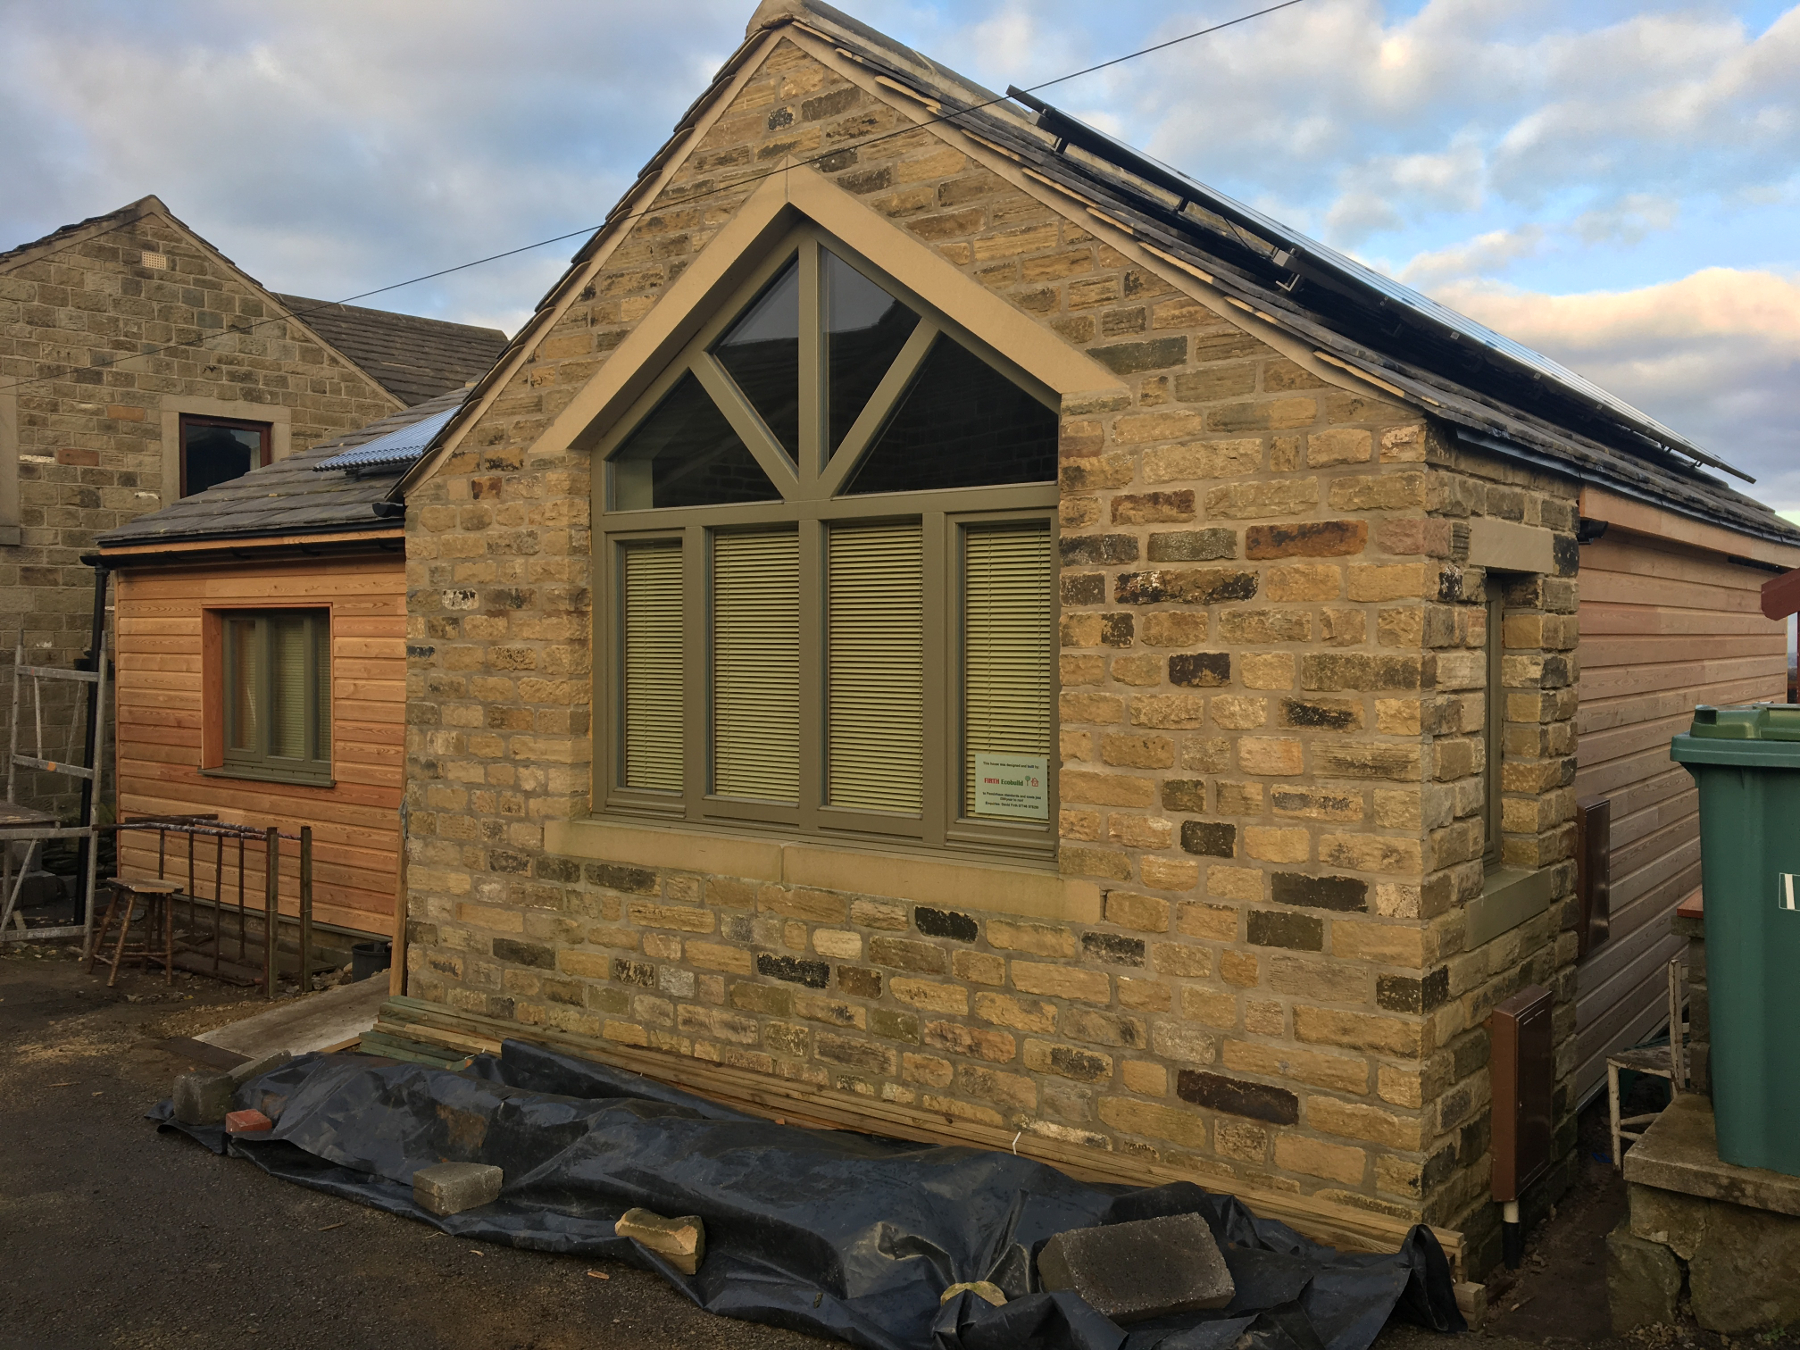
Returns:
(401, 446)
(1305, 250)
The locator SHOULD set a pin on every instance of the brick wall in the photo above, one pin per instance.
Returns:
(1264, 778)
(90, 445)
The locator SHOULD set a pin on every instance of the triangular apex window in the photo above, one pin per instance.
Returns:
(818, 380)
(685, 453)
(961, 424)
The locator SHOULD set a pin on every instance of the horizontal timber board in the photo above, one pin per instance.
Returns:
(1620, 681)
(1338, 1225)
(1598, 619)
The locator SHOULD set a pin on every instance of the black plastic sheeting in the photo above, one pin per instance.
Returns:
(829, 1232)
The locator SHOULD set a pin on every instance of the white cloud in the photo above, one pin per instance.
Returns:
(1715, 355)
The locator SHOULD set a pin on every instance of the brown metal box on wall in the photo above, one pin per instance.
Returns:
(1593, 872)
(1524, 1077)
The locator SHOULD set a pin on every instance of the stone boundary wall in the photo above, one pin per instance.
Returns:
(1269, 698)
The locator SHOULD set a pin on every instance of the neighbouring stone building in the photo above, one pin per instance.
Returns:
(1052, 653)
(139, 365)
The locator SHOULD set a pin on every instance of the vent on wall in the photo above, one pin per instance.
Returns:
(1593, 872)
(159, 261)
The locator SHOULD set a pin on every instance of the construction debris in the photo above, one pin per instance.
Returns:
(828, 1231)
(247, 1122)
(681, 1242)
(452, 1187)
(205, 1098)
(1134, 1271)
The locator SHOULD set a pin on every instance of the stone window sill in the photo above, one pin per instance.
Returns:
(1510, 896)
(998, 888)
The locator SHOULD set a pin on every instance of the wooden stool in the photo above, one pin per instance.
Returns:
(159, 918)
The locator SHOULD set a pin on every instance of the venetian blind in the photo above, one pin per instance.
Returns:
(321, 629)
(1007, 645)
(875, 668)
(756, 665)
(241, 644)
(652, 666)
(287, 686)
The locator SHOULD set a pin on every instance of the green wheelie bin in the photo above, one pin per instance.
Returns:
(1746, 762)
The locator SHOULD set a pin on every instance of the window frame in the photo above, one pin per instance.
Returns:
(257, 763)
(810, 504)
(265, 452)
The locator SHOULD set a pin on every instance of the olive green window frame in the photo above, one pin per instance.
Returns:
(257, 761)
(810, 504)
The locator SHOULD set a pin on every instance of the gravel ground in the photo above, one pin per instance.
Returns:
(113, 1235)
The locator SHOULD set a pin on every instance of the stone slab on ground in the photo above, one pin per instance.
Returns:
(1146, 1268)
(313, 1022)
(1680, 1152)
(452, 1187)
(681, 1242)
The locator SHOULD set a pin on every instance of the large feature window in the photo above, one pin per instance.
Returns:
(277, 693)
(827, 543)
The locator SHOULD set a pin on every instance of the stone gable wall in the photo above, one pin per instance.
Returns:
(90, 440)
(1263, 775)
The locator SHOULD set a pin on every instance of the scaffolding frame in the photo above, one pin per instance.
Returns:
(20, 824)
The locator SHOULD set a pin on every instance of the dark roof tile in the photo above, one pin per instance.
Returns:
(411, 357)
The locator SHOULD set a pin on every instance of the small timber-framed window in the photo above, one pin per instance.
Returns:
(216, 450)
(827, 551)
(276, 689)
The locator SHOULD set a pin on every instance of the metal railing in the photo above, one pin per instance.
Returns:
(198, 828)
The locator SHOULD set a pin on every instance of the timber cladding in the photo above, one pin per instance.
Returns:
(168, 653)
(1248, 963)
(1664, 625)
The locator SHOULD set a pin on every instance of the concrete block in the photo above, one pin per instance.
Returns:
(982, 1289)
(203, 1098)
(247, 1122)
(450, 1188)
(1643, 1281)
(1133, 1271)
(681, 1242)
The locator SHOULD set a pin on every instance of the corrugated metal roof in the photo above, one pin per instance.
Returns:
(397, 447)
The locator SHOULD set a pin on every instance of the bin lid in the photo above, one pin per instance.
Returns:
(1762, 735)
(1758, 722)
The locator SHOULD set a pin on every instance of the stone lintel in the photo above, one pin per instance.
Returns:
(1680, 1152)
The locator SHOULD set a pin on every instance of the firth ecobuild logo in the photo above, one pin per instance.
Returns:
(1784, 891)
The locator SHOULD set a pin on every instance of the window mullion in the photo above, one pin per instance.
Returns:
(940, 649)
(812, 672)
(812, 370)
(696, 665)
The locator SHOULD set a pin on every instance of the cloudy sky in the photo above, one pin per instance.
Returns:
(1616, 184)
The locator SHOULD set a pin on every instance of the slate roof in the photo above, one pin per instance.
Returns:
(412, 358)
(291, 496)
(1494, 393)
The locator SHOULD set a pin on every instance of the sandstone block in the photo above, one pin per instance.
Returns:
(681, 1242)
(1643, 1281)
